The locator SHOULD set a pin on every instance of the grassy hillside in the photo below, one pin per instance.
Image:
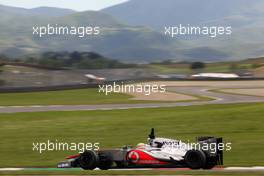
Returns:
(245, 18)
(136, 43)
(240, 124)
(147, 12)
(116, 39)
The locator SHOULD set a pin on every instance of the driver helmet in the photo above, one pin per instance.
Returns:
(141, 146)
(155, 143)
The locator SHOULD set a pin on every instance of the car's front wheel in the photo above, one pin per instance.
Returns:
(106, 161)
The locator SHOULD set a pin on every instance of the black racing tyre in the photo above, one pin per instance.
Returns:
(209, 165)
(75, 163)
(89, 160)
(120, 164)
(106, 161)
(195, 159)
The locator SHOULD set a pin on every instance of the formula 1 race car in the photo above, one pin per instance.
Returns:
(158, 153)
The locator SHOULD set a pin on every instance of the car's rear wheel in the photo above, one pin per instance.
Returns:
(195, 159)
(89, 160)
(210, 163)
(209, 166)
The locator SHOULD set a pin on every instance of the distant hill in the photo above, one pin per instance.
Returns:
(132, 31)
(245, 16)
(118, 41)
(88, 18)
(160, 13)
(51, 11)
(43, 11)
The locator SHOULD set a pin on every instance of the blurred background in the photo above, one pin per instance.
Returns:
(132, 44)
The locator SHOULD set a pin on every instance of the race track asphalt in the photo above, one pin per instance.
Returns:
(218, 98)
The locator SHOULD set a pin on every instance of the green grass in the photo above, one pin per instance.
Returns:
(240, 124)
(75, 97)
(67, 97)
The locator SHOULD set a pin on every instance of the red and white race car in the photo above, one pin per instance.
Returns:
(157, 153)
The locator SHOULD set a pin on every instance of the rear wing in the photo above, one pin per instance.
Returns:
(210, 145)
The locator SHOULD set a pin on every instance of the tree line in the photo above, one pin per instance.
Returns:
(80, 60)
